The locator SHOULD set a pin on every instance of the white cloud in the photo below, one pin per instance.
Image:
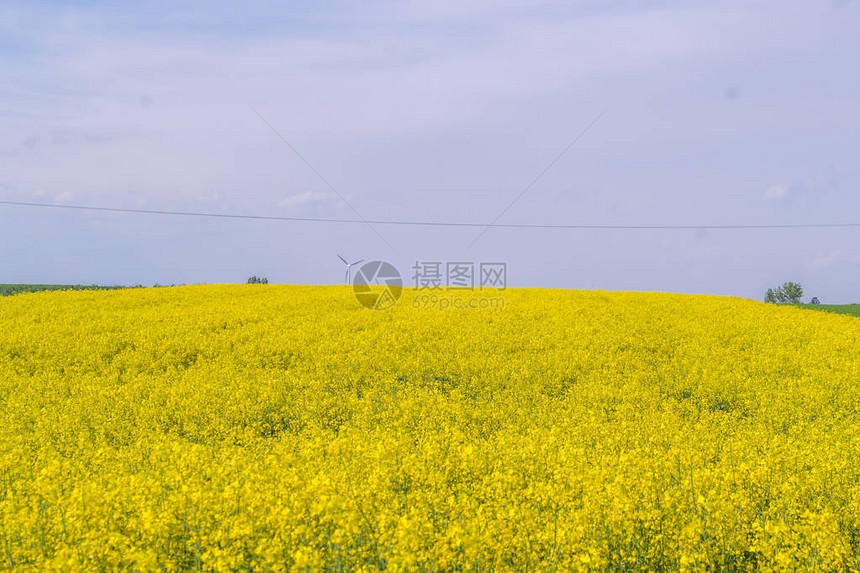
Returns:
(198, 135)
(776, 193)
(65, 197)
(825, 260)
(803, 196)
(306, 198)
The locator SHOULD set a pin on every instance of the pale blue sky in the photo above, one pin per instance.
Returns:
(717, 113)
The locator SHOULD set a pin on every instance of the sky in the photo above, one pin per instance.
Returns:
(700, 113)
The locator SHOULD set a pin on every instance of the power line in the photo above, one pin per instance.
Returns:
(324, 180)
(536, 179)
(426, 223)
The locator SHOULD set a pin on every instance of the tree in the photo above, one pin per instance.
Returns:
(791, 292)
(815, 300)
(788, 293)
(255, 280)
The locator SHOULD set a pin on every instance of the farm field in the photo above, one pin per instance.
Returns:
(10, 289)
(852, 309)
(274, 428)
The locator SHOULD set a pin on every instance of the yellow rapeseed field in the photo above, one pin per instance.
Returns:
(258, 428)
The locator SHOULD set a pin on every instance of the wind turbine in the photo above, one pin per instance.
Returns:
(349, 267)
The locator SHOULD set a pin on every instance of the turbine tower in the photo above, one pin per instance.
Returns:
(349, 267)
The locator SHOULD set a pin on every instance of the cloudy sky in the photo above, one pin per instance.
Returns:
(716, 113)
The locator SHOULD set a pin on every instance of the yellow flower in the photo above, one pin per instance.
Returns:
(220, 428)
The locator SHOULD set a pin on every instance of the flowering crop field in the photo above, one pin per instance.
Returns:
(258, 428)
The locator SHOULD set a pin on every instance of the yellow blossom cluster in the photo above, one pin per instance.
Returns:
(286, 428)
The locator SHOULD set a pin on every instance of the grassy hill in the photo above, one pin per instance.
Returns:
(852, 309)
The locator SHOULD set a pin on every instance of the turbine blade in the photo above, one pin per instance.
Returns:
(356, 262)
(343, 259)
